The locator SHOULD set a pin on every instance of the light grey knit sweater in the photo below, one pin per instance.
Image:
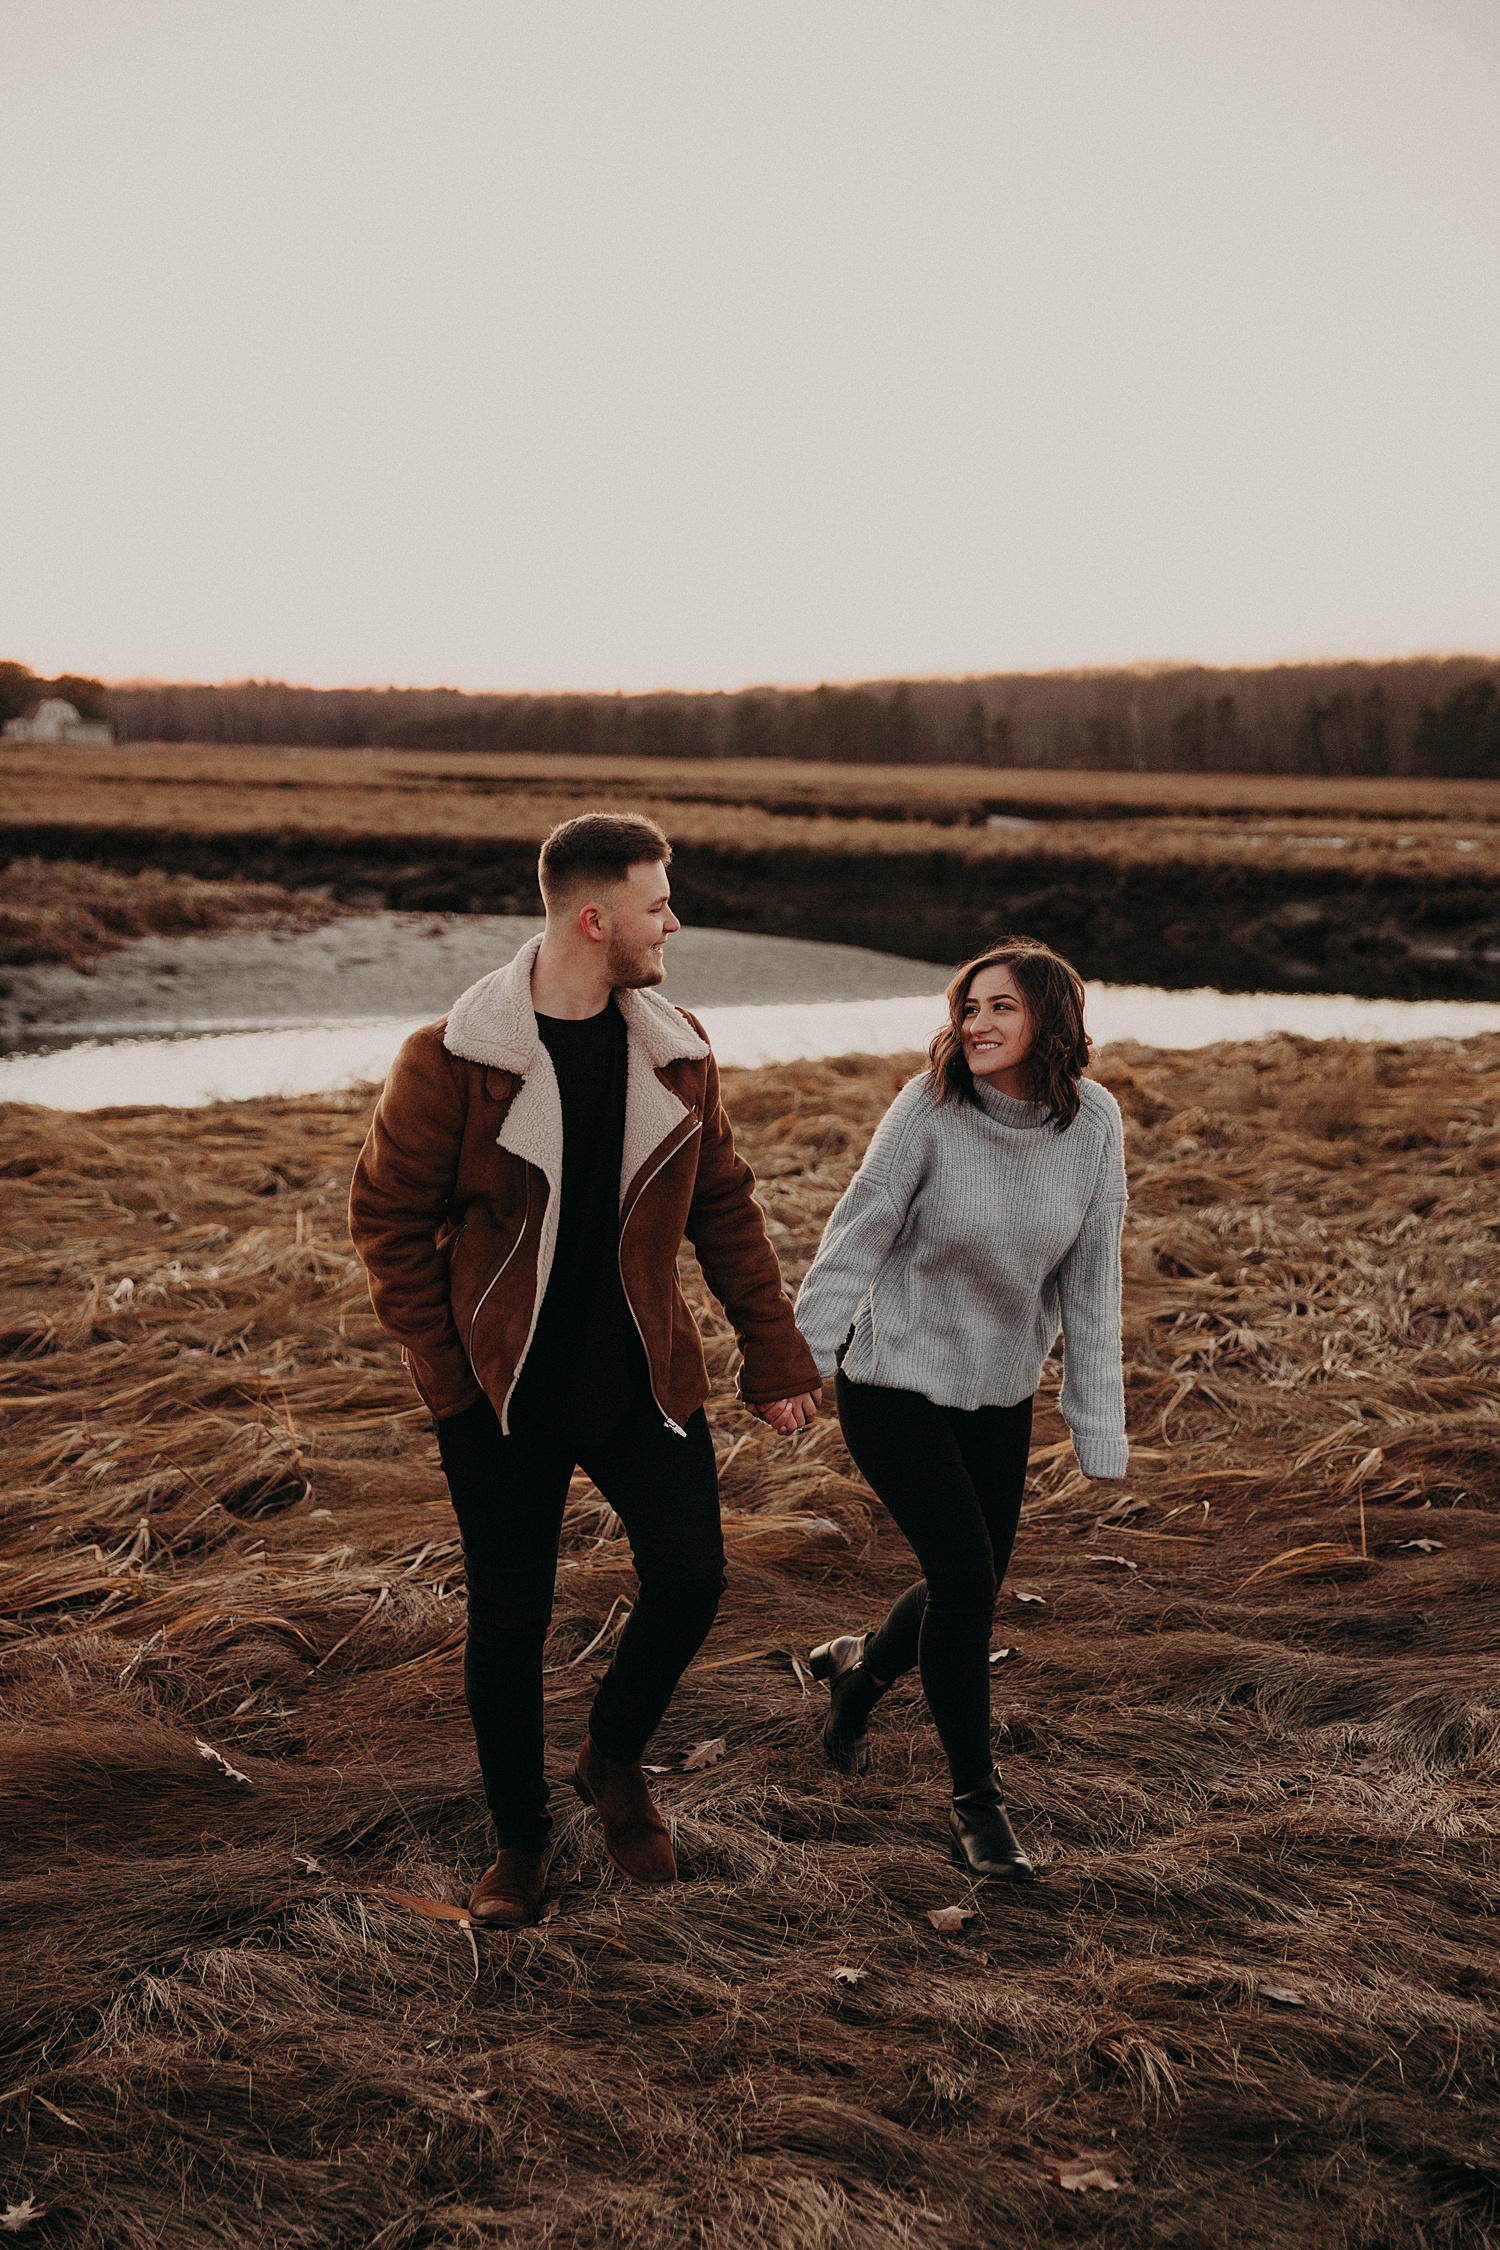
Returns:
(963, 1243)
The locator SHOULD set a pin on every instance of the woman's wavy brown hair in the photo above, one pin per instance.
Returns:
(1053, 992)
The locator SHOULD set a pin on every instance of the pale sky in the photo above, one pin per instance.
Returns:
(699, 342)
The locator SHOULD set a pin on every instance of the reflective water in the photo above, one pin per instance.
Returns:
(314, 1058)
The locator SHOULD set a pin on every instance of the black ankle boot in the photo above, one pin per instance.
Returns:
(852, 1696)
(983, 1838)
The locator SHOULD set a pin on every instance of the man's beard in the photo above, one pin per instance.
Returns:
(632, 967)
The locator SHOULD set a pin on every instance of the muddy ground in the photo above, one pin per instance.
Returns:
(382, 964)
(1178, 922)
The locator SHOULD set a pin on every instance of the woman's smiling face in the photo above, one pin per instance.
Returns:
(997, 1033)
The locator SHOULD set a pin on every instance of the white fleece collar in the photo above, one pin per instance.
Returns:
(494, 1022)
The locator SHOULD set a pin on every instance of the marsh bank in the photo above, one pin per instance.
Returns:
(1182, 920)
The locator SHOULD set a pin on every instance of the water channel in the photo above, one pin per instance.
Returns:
(183, 1022)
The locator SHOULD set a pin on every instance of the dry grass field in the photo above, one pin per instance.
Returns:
(1246, 1715)
(432, 793)
(57, 910)
(1247, 882)
(1437, 833)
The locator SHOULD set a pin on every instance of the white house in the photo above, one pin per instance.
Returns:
(53, 720)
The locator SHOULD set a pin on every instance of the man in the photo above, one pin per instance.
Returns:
(534, 1162)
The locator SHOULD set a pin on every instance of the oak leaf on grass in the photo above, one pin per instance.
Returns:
(949, 1919)
(435, 1909)
(1086, 2168)
(704, 1754)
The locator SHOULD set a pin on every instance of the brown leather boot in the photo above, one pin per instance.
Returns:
(635, 1835)
(509, 1892)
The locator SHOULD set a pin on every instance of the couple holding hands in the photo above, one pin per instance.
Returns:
(536, 1159)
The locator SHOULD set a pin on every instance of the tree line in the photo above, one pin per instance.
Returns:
(1420, 715)
(21, 689)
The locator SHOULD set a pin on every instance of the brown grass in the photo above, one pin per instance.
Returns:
(1429, 832)
(56, 910)
(1257, 1764)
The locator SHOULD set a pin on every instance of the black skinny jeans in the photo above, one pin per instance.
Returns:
(508, 1494)
(953, 1481)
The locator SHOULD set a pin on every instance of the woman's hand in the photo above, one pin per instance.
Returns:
(784, 1415)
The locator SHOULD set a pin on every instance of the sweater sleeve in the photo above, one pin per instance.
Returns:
(863, 1225)
(1088, 1284)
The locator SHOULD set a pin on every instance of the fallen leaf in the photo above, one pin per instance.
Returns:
(804, 1677)
(1123, 1509)
(849, 1976)
(551, 1910)
(1017, 1595)
(998, 1655)
(435, 1909)
(1085, 2168)
(1284, 1995)
(704, 1754)
(1123, 1561)
(217, 1758)
(1424, 1546)
(309, 1866)
(950, 1918)
(1379, 1761)
(656, 1769)
(16, 2216)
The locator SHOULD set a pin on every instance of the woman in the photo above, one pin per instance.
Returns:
(985, 1216)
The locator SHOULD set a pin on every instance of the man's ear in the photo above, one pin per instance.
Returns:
(590, 921)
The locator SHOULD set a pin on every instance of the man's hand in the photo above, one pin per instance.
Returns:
(785, 1415)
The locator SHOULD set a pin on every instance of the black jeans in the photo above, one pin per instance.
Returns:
(508, 1494)
(953, 1481)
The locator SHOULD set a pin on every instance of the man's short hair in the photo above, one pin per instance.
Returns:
(595, 849)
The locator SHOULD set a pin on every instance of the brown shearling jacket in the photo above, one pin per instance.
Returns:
(454, 1204)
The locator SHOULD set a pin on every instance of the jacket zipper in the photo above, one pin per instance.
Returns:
(676, 1428)
(505, 1261)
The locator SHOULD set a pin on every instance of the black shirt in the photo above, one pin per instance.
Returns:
(586, 1366)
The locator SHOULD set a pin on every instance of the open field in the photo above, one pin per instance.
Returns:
(1269, 882)
(166, 783)
(1248, 1729)
(403, 815)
